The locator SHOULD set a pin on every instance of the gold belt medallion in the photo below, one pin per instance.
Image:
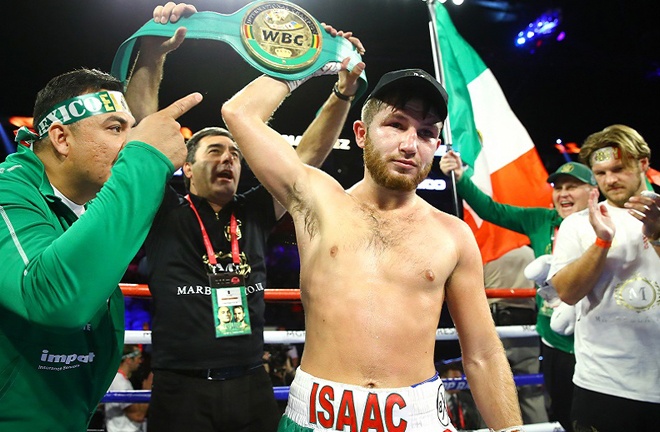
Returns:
(282, 36)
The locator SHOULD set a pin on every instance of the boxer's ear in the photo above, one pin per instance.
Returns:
(360, 131)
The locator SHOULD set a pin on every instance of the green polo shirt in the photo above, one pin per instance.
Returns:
(539, 225)
(61, 311)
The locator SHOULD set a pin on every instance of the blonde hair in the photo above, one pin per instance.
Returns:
(628, 140)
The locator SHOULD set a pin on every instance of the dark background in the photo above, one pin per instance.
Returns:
(607, 70)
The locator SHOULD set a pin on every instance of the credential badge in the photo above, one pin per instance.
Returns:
(281, 35)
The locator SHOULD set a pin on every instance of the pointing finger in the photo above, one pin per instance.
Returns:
(182, 106)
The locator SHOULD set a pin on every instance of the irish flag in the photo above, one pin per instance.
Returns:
(501, 156)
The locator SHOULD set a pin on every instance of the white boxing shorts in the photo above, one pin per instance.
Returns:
(319, 405)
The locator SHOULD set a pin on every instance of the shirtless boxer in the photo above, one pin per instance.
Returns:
(368, 249)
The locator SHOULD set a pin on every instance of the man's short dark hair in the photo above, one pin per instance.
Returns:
(69, 85)
(72, 84)
(193, 144)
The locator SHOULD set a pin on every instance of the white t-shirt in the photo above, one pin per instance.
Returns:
(617, 333)
(115, 419)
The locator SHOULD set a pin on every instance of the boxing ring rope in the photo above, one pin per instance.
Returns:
(298, 336)
(142, 290)
(282, 392)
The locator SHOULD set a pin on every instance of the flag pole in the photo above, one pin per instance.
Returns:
(440, 76)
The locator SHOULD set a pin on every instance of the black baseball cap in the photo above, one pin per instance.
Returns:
(414, 80)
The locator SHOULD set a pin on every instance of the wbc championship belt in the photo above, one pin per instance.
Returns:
(278, 38)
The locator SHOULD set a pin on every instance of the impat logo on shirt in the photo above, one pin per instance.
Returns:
(66, 358)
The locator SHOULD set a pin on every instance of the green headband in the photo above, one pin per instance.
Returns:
(132, 354)
(73, 110)
(277, 38)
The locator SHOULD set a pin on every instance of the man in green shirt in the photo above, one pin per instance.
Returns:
(61, 311)
(571, 185)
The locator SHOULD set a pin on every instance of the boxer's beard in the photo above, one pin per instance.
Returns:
(377, 167)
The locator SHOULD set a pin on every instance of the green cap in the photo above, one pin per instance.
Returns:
(574, 169)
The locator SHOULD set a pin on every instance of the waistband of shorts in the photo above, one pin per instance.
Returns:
(318, 404)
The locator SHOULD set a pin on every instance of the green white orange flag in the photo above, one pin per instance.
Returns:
(653, 176)
(501, 156)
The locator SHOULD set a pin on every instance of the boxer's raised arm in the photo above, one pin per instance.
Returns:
(269, 155)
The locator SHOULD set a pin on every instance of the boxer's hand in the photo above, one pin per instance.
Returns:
(346, 35)
(162, 131)
(170, 12)
(348, 80)
(348, 83)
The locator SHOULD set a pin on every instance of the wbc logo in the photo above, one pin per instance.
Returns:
(281, 35)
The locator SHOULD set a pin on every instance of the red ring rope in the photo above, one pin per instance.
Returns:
(142, 290)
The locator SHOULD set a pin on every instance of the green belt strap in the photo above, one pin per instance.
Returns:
(227, 28)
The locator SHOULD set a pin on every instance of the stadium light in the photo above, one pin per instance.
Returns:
(543, 27)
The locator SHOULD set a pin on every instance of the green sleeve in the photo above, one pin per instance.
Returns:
(507, 216)
(69, 275)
